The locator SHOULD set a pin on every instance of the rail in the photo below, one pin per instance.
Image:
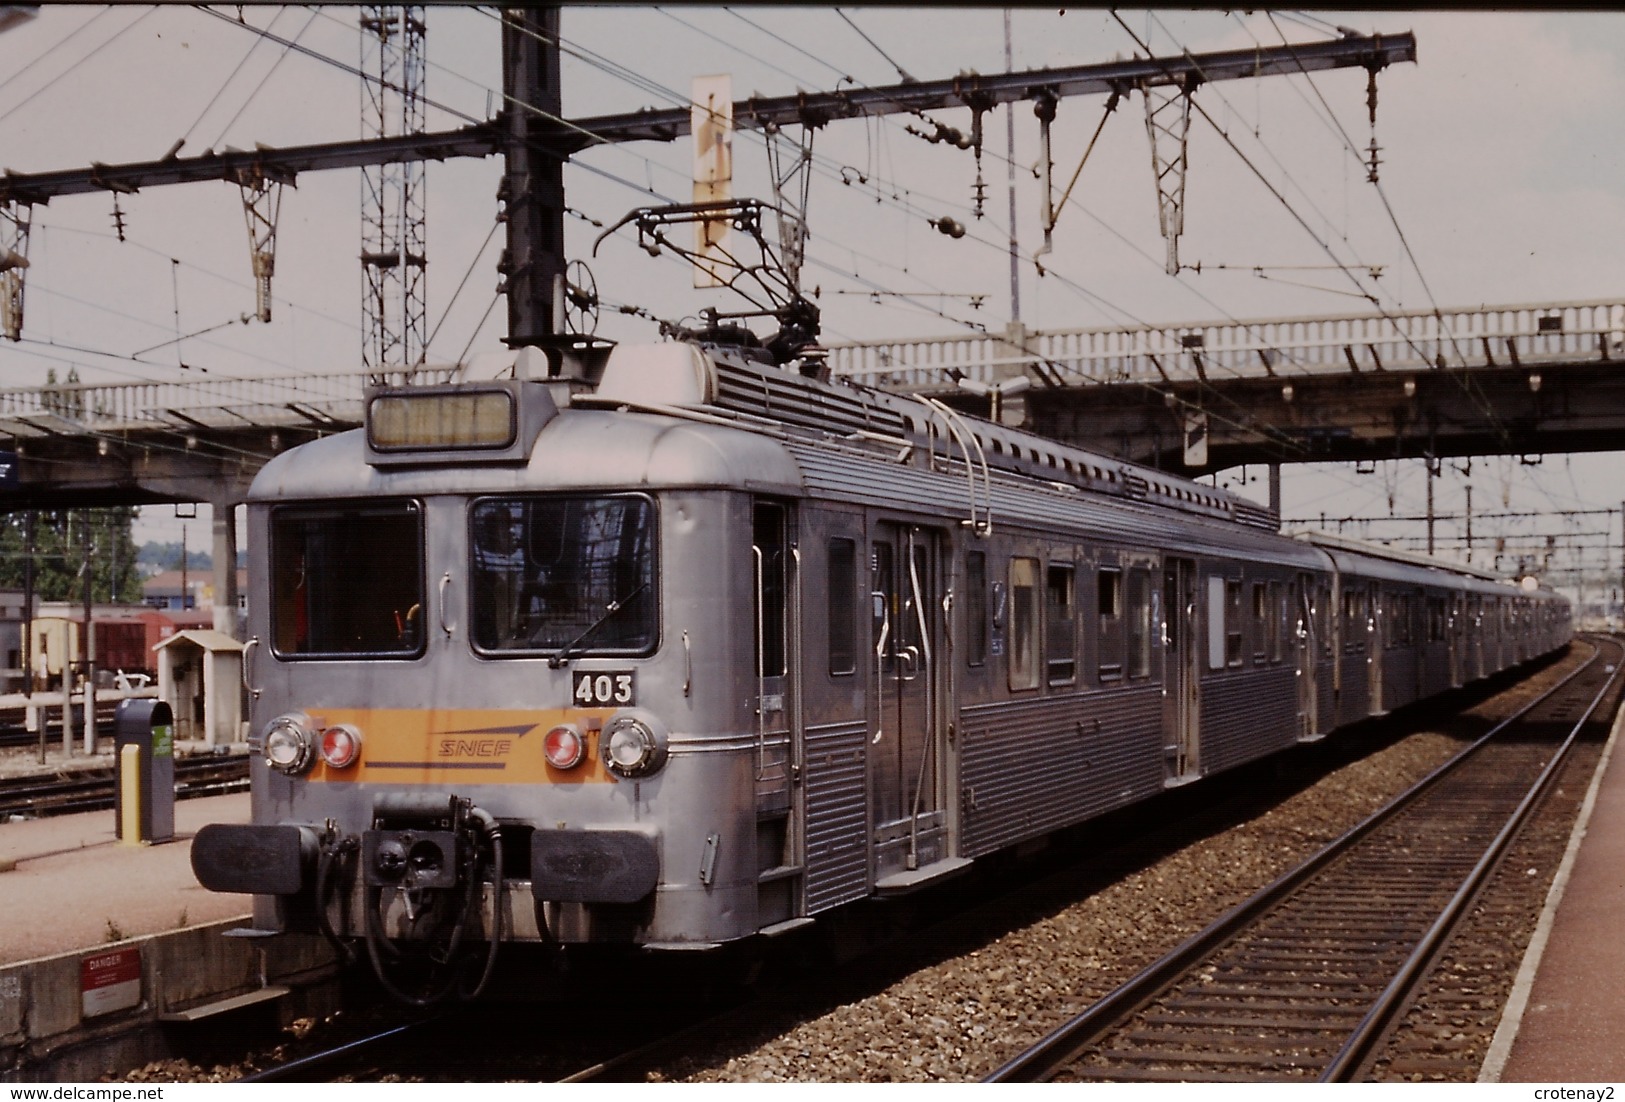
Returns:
(1336, 1051)
(94, 789)
(47, 705)
(1415, 340)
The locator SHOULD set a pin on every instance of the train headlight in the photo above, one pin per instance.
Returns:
(564, 747)
(341, 746)
(289, 745)
(631, 748)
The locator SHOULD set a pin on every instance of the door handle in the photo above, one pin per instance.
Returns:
(910, 655)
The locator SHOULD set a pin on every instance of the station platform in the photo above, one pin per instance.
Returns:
(107, 947)
(69, 884)
(1566, 1018)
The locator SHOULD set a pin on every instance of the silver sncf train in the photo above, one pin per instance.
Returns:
(667, 647)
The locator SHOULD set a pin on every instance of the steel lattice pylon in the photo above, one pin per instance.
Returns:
(15, 220)
(393, 255)
(1168, 123)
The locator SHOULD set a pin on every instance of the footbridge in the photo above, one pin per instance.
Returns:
(1520, 379)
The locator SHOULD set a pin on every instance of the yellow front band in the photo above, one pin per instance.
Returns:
(461, 745)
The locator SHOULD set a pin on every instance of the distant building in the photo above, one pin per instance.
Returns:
(191, 592)
(11, 638)
(125, 637)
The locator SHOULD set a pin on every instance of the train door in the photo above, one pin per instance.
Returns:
(775, 562)
(908, 748)
(1376, 648)
(1475, 636)
(1453, 629)
(1307, 648)
(1181, 684)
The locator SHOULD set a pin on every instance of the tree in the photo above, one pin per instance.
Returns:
(59, 552)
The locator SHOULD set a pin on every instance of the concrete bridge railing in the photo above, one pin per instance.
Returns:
(195, 403)
(1409, 341)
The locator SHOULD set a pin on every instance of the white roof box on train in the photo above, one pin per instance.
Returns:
(672, 374)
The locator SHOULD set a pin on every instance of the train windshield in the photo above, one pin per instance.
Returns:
(347, 580)
(563, 574)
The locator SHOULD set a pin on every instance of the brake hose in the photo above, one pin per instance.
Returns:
(332, 851)
(377, 938)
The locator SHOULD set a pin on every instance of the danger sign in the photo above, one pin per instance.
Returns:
(110, 981)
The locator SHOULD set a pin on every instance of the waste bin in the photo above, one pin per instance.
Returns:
(144, 802)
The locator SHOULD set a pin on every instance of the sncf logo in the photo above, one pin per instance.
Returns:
(463, 749)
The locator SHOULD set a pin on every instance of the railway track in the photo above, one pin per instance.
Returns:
(1302, 981)
(14, 730)
(353, 1053)
(93, 790)
(479, 1042)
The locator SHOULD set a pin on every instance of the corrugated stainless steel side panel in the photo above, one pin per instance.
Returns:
(1247, 714)
(1399, 677)
(1032, 766)
(837, 816)
(1325, 697)
(1355, 704)
(846, 476)
(1435, 668)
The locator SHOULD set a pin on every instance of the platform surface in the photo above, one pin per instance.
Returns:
(1566, 1020)
(70, 884)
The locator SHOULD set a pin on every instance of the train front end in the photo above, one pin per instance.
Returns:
(486, 636)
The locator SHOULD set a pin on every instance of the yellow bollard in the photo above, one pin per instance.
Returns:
(129, 780)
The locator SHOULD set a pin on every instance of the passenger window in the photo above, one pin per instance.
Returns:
(843, 599)
(1324, 611)
(1024, 623)
(976, 618)
(1275, 626)
(563, 574)
(347, 580)
(769, 589)
(1062, 636)
(1139, 623)
(1261, 611)
(883, 594)
(1354, 631)
(1109, 606)
(1232, 624)
(1215, 623)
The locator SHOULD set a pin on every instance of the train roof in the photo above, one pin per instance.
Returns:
(596, 447)
(687, 377)
(1376, 560)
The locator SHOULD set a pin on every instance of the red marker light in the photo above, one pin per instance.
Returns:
(341, 746)
(564, 747)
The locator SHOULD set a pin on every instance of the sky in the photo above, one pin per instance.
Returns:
(1496, 163)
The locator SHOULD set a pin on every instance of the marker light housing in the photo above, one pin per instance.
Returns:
(631, 747)
(564, 747)
(341, 746)
(289, 744)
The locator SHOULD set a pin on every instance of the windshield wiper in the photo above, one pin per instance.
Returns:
(558, 659)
